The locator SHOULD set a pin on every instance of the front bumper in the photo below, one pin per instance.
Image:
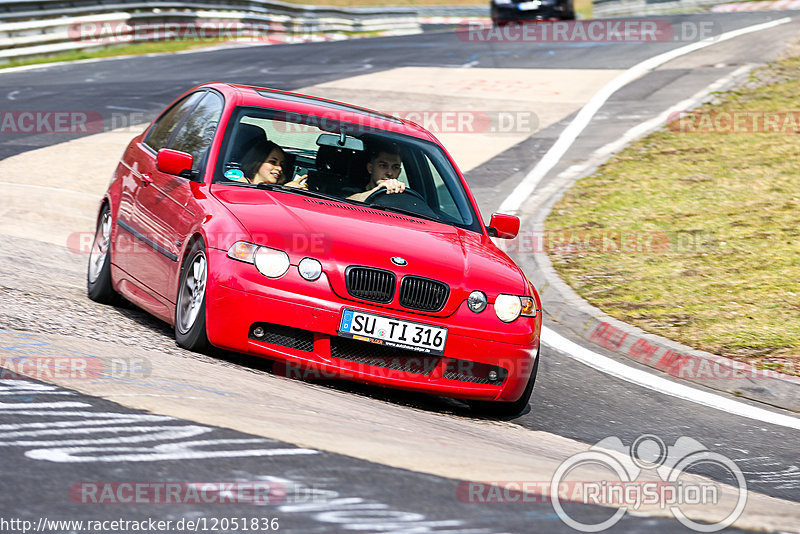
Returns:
(301, 319)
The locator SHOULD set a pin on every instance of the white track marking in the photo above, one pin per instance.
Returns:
(662, 385)
(601, 154)
(525, 188)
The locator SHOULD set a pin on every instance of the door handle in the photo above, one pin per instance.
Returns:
(147, 179)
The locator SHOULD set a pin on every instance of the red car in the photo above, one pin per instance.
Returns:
(275, 224)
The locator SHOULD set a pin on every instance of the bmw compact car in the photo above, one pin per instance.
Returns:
(505, 11)
(307, 265)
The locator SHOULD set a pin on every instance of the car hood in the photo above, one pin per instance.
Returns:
(340, 235)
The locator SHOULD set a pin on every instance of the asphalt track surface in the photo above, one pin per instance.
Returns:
(324, 491)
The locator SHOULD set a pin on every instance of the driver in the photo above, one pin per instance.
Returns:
(384, 167)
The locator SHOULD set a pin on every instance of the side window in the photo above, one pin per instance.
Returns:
(162, 130)
(195, 135)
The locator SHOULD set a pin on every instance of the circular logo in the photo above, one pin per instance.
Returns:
(400, 262)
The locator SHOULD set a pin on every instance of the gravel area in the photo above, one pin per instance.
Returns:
(43, 290)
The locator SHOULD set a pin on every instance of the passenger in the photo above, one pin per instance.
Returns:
(383, 167)
(264, 163)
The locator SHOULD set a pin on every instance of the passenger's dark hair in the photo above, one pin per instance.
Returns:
(256, 155)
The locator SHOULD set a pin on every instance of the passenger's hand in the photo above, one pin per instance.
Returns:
(392, 185)
(300, 183)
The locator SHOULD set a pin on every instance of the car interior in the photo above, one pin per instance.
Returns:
(335, 159)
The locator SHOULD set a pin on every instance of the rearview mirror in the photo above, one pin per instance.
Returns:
(341, 141)
(503, 226)
(174, 162)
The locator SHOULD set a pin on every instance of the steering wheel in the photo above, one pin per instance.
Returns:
(383, 191)
(408, 200)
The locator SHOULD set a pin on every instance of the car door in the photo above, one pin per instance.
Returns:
(164, 209)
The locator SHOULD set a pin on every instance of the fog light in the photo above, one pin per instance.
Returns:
(258, 331)
(309, 268)
(492, 376)
(477, 301)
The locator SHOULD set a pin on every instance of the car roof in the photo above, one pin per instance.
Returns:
(250, 95)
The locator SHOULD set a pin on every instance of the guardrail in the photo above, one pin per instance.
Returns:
(621, 8)
(42, 27)
(31, 28)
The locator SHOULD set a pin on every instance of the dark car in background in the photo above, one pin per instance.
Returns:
(505, 11)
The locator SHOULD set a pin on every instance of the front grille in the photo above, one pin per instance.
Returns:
(423, 294)
(371, 284)
(380, 356)
(478, 373)
(285, 336)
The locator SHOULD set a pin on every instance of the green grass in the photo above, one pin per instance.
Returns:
(722, 272)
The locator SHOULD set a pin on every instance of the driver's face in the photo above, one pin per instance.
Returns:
(384, 167)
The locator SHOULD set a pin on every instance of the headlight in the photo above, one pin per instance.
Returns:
(477, 301)
(309, 268)
(271, 262)
(509, 307)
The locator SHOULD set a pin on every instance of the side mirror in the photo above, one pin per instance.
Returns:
(503, 226)
(174, 162)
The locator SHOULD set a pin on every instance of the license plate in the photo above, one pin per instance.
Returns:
(393, 332)
(529, 6)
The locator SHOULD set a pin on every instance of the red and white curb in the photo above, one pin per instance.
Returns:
(455, 20)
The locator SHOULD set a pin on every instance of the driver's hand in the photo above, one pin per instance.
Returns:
(392, 185)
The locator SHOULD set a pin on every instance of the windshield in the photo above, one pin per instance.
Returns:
(316, 155)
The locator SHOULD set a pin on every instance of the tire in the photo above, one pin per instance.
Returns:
(508, 409)
(190, 303)
(98, 274)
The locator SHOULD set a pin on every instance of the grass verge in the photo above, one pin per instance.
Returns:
(136, 49)
(693, 232)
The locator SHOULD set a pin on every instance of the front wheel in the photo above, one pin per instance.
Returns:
(508, 409)
(190, 307)
(98, 277)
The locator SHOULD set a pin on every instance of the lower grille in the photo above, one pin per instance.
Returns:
(285, 336)
(478, 373)
(384, 357)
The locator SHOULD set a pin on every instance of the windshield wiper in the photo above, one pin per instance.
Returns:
(296, 190)
(382, 207)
